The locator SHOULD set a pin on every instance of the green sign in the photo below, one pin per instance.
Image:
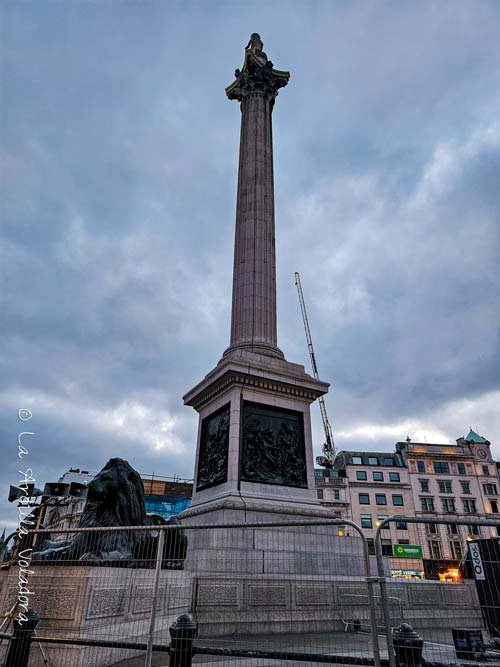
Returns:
(407, 550)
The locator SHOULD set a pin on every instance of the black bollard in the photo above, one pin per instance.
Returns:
(182, 633)
(18, 654)
(407, 646)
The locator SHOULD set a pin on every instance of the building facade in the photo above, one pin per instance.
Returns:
(457, 480)
(331, 490)
(378, 486)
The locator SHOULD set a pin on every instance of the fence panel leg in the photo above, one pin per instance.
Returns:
(20, 644)
(156, 583)
(385, 602)
(182, 632)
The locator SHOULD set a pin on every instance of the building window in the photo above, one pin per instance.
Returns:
(431, 528)
(474, 530)
(364, 498)
(461, 468)
(320, 494)
(403, 541)
(366, 521)
(394, 477)
(424, 485)
(386, 548)
(378, 476)
(490, 489)
(427, 504)
(456, 550)
(387, 461)
(465, 487)
(445, 486)
(486, 471)
(401, 525)
(371, 546)
(494, 506)
(448, 504)
(357, 461)
(336, 494)
(469, 505)
(372, 461)
(441, 468)
(380, 499)
(452, 529)
(397, 500)
(361, 475)
(420, 466)
(435, 549)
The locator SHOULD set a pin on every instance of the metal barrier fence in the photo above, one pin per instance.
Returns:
(297, 589)
(255, 593)
(458, 561)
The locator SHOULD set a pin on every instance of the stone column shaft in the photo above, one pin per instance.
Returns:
(253, 318)
(253, 321)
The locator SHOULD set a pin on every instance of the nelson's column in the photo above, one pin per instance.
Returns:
(254, 449)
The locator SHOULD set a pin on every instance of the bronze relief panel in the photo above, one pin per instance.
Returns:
(272, 446)
(214, 449)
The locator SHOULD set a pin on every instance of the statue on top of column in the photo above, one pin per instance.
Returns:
(255, 45)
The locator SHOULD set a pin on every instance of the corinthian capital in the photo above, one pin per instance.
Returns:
(257, 76)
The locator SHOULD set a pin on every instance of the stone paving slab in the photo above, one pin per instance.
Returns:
(438, 647)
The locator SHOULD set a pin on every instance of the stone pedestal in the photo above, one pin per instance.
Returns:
(254, 458)
(97, 603)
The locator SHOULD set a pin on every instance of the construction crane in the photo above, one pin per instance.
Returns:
(328, 448)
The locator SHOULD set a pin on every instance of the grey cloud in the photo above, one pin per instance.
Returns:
(120, 154)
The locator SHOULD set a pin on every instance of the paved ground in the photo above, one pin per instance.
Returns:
(438, 647)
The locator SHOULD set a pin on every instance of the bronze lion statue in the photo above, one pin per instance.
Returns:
(116, 498)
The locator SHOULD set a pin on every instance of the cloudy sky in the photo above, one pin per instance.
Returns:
(119, 155)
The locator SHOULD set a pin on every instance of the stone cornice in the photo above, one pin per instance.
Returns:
(247, 369)
(211, 390)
